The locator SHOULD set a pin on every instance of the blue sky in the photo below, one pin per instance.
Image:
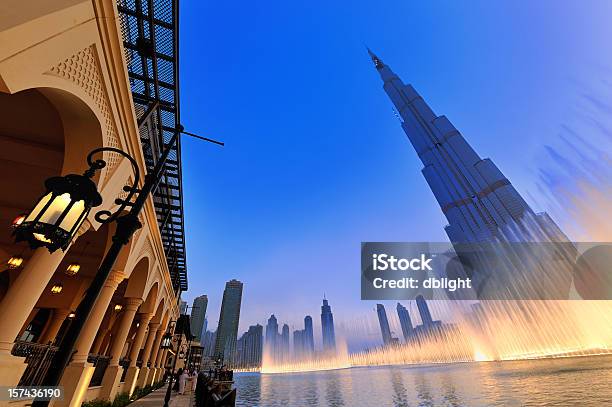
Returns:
(316, 162)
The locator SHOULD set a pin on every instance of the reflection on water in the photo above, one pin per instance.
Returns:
(583, 381)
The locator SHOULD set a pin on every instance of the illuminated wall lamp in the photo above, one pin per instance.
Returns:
(57, 288)
(72, 269)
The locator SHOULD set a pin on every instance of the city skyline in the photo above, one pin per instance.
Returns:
(317, 227)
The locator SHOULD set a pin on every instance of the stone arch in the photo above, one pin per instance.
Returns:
(151, 300)
(137, 279)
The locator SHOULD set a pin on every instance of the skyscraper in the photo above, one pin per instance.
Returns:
(405, 322)
(308, 335)
(424, 311)
(284, 342)
(198, 314)
(384, 323)
(251, 347)
(327, 327)
(298, 343)
(474, 195)
(271, 331)
(225, 344)
(183, 307)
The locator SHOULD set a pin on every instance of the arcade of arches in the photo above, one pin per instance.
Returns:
(64, 90)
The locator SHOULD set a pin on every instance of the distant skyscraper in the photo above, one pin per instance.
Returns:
(251, 348)
(327, 326)
(198, 314)
(384, 323)
(308, 335)
(271, 331)
(474, 195)
(405, 321)
(298, 343)
(424, 311)
(183, 307)
(208, 344)
(229, 317)
(285, 341)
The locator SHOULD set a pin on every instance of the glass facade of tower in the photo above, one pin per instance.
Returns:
(426, 318)
(384, 323)
(405, 322)
(198, 315)
(327, 327)
(227, 332)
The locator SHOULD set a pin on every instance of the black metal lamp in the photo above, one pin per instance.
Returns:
(58, 214)
(166, 342)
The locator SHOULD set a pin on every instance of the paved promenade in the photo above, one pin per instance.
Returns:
(156, 399)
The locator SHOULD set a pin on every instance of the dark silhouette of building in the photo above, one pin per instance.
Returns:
(405, 322)
(308, 335)
(198, 315)
(250, 347)
(424, 310)
(384, 324)
(227, 332)
(327, 326)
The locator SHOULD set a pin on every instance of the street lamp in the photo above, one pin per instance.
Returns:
(55, 219)
(58, 214)
(166, 342)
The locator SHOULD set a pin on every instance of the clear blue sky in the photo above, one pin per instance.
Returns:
(315, 161)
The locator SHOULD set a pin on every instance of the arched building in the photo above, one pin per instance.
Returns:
(77, 75)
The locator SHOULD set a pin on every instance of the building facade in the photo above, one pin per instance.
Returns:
(327, 327)
(405, 322)
(308, 335)
(67, 77)
(198, 315)
(383, 321)
(229, 317)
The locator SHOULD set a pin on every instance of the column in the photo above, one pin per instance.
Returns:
(78, 373)
(155, 354)
(113, 373)
(58, 318)
(17, 305)
(132, 373)
(101, 336)
(146, 353)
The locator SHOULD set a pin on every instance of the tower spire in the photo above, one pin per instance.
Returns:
(378, 63)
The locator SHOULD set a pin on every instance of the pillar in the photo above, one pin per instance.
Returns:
(17, 305)
(77, 375)
(132, 373)
(112, 376)
(97, 346)
(155, 353)
(58, 318)
(146, 353)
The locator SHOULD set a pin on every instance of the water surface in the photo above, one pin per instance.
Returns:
(585, 381)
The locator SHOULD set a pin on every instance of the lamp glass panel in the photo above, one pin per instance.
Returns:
(57, 207)
(73, 215)
(39, 206)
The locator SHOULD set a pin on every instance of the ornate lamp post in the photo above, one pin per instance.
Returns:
(57, 216)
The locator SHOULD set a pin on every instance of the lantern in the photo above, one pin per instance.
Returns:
(72, 269)
(58, 214)
(14, 262)
(18, 220)
(166, 342)
(57, 288)
(118, 307)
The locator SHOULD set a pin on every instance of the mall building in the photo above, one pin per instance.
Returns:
(76, 75)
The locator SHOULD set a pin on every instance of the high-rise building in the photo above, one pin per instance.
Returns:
(284, 342)
(479, 202)
(183, 307)
(208, 343)
(308, 335)
(298, 343)
(225, 344)
(424, 311)
(327, 327)
(384, 324)
(476, 198)
(251, 347)
(198, 314)
(271, 331)
(405, 322)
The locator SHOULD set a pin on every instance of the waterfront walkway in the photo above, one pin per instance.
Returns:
(156, 399)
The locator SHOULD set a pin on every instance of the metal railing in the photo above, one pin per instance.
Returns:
(100, 363)
(38, 358)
